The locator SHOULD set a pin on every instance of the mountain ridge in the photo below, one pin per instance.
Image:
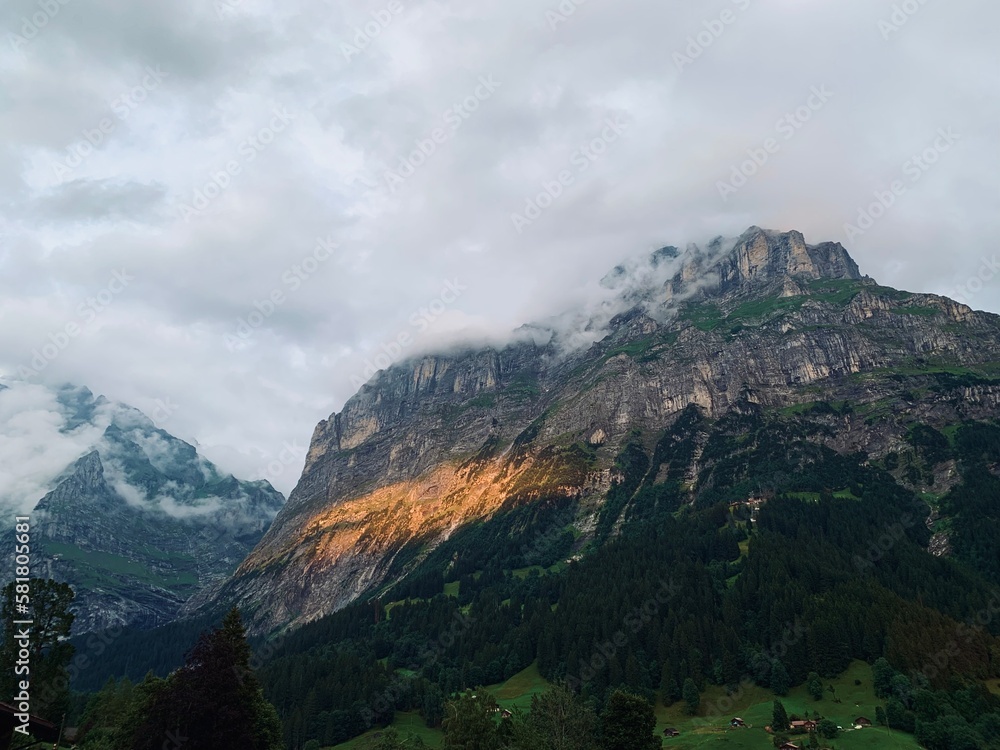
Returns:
(139, 523)
(764, 319)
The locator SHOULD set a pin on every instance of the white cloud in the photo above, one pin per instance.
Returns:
(162, 339)
(37, 442)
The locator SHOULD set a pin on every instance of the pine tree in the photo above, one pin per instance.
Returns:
(780, 681)
(214, 702)
(779, 720)
(691, 697)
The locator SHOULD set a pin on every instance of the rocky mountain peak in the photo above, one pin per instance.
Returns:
(757, 262)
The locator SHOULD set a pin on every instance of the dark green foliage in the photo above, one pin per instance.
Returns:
(628, 723)
(692, 696)
(931, 445)
(779, 717)
(214, 700)
(827, 729)
(974, 505)
(133, 652)
(633, 464)
(50, 651)
(470, 722)
(780, 681)
(558, 720)
(114, 714)
(814, 685)
(836, 569)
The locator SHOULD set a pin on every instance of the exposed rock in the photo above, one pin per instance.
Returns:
(765, 322)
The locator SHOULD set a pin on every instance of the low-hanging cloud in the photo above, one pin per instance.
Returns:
(39, 439)
(702, 87)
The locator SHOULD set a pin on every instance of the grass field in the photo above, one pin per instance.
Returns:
(753, 704)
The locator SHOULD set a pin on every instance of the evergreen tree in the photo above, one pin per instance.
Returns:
(779, 717)
(214, 702)
(882, 674)
(814, 685)
(48, 645)
(880, 718)
(780, 681)
(628, 722)
(692, 698)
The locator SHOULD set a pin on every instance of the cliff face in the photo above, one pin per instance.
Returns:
(141, 524)
(434, 444)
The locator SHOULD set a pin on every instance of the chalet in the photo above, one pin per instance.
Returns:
(671, 732)
(789, 746)
(10, 718)
(505, 713)
(737, 722)
(861, 721)
(807, 725)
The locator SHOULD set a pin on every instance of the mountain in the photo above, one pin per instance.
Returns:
(708, 375)
(139, 523)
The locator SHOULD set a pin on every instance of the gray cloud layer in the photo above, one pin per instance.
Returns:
(282, 189)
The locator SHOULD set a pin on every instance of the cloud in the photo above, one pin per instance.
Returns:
(97, 201)
(43, 432)
(208, 129)
(39, 439)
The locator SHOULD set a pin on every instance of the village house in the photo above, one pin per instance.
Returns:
(807, 725)
(861, 721)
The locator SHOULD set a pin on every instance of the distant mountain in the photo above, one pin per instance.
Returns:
(138, 523)
(764, 327)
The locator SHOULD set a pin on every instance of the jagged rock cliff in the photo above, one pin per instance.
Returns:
(141, 523)
(433, 444)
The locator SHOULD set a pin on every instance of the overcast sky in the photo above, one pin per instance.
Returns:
(165, 166)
